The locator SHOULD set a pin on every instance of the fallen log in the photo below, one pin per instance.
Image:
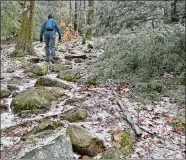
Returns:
(134, 126)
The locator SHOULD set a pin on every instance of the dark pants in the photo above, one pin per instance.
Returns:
(50, 45)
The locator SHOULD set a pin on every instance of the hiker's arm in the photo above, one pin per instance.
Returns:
(58, 29)
(42, 29)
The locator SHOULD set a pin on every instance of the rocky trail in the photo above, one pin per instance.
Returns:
(60, 115)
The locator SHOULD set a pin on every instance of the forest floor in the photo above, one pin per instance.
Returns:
(159, 140)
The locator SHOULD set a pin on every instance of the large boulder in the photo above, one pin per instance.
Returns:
(59, 148)
(78, 115)
(39, 69)
(51, 82)
(83, 142)
(35, 98)
(5, 92)
(69, 75)
(113, 153)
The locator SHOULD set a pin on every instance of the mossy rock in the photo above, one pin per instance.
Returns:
(39, 69)
(78, 115)
(127, 143)
(113, 153)
(69, 75)
(45, 127)
(46, 124)
(35, 98)
(31, 113)
(51, 82)
(74, 101)
(83, 142)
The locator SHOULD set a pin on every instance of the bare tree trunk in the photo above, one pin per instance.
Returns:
(89, 21)
(174, 17)
(75, 17)
(26, 33)
(70, 14)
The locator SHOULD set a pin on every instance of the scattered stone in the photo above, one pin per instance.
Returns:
(39, 69)
(46, 124)
(89, 46)
(70, 57)
(69, 75)
(113, 153)
(31, 113)
(59, 148)
(3, 108)
(35, 98)
(87, 51)
(83, 142)
(10, 70)
(14, 93)
(78, 115)
(62, 50)
(78, 60)
(12, 87)
(34, 59)
(75, 101)
(5, 92)
(51, 82)
(68, 63)
(57, 67)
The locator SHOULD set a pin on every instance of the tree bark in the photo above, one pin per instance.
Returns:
(75, 17)
(89, 20)
(26, 33)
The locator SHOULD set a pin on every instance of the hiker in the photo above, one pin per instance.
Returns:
(49, 28)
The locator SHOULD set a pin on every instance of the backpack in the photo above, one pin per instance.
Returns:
(49, 26)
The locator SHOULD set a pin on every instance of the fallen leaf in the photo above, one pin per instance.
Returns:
(179, 129)
(117, 137)
(140, 155)
(159, 142)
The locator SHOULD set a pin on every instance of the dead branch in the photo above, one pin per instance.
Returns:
(134, 127)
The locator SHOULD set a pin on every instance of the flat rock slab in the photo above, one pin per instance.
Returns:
(51, 82)
(69, 56)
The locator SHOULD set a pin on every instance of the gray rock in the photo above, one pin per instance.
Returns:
(51, 82)
(69, 57)
(12, 87)
(35, 98)
(113, 153)
(57, 67)
(10, 70)
(39, 69)
(5, 92)
(60, 148)
(69, 75)
(77, 60)
(83, 142)
(3, 108)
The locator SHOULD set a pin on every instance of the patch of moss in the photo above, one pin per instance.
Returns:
(127, 143)
(46, 124)
(179, 122)
(45, 69)
(93, 80)
(34, 98)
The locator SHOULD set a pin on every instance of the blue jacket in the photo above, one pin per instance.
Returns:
(50, 33)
